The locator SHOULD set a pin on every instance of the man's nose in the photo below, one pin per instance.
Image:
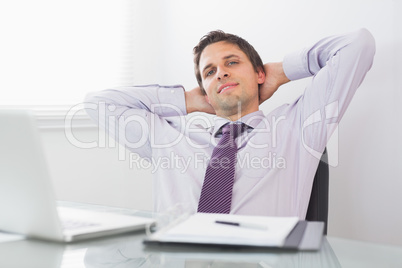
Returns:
(222, 73)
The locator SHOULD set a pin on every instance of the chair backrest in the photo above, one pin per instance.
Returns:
(318, 205)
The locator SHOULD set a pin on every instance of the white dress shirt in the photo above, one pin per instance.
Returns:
(279, 153)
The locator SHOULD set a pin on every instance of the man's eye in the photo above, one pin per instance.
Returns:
(232, 63)
(210, 73)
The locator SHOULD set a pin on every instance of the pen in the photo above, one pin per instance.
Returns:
(245, 225)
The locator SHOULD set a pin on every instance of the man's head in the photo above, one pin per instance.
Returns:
(229, 72)
(220, 36)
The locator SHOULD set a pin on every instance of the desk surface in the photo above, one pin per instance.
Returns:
(128, 251)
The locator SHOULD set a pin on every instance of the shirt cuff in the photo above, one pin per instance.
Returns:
(171, 101)
(295, 65)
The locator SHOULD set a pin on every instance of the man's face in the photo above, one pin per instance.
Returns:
(229, 79)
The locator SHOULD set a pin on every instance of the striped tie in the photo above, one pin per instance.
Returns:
(216, 192)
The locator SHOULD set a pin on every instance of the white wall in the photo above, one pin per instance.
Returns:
(365, 202)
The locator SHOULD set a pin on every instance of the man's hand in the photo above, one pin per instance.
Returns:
(197, 102)
(274, 78)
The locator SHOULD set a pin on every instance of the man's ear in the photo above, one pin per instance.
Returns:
(261, 76)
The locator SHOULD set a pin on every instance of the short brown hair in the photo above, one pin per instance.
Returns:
(218, 36)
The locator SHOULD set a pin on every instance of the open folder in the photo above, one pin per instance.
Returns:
(241, 231)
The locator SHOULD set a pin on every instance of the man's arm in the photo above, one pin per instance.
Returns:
(316, 59)
(338, 65)
(136, 115)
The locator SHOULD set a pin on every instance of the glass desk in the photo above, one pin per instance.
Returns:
(127, 250)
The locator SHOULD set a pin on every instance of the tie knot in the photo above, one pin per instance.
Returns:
(233, 129)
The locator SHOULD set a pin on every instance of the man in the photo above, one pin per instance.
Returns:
(217, 47)
(276, 154)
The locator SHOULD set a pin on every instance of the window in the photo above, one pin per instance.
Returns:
(54, 52)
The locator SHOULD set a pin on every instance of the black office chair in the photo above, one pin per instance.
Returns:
(318, 205)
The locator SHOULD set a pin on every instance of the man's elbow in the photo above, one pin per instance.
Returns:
(366, 43)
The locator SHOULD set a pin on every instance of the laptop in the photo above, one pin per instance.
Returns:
(27, 200)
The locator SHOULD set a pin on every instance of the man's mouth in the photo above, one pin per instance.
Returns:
(226, 87)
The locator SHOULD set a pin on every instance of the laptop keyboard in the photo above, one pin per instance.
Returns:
(69, 224)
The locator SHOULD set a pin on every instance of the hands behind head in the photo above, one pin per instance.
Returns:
(196, 102)
(274, 78)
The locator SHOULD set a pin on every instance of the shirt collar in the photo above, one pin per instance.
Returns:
(251, 120)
